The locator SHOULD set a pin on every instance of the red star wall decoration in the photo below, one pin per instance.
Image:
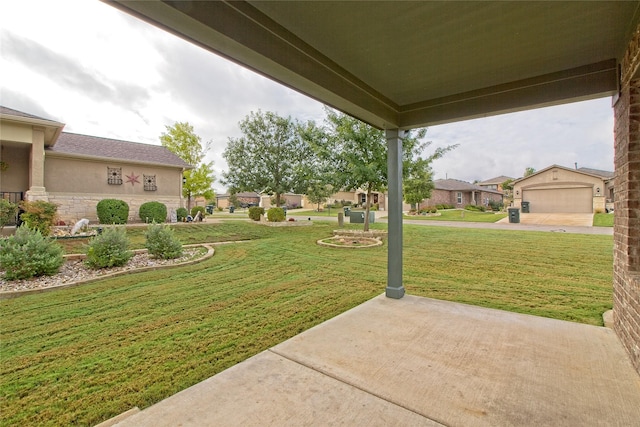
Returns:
(133, 178)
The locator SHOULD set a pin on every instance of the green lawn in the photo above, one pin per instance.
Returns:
(603, 220)
(81, 355)
(325, 212)
(460, 215)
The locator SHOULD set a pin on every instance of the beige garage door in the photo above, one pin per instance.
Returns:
(571, 200)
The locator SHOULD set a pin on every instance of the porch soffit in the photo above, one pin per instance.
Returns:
(415, 63)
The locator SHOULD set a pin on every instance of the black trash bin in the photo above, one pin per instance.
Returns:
(209, 209)
(347, 210)
(232, 209)
(514, 215)
(525, 207)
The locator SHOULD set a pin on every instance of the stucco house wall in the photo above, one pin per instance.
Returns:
(77, 185)
(561, 189)
(40, 162)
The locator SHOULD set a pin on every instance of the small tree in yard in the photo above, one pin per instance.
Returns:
(418, 184)
(318, 192)
(181, 140)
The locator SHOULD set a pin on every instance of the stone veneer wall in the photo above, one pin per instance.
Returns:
(73, 207)
(626, 261)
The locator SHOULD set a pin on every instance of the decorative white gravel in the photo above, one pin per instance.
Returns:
(75, 270)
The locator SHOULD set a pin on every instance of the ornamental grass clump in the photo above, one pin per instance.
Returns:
(29, 254)
(109, 249)
(162, 242)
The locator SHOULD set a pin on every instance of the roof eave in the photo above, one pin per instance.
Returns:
(58, 154)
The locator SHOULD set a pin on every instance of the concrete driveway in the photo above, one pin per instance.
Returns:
(570, 219)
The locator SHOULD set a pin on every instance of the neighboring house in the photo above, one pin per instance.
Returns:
(561, 189)
(245, 199)
(40, 162)
(359, 197)
(495, 183)
(289, 200)
(459, 194)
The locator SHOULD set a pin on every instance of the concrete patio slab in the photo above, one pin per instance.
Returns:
(419, 361)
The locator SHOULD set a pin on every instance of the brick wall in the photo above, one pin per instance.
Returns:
(626, 261)
(442, 197)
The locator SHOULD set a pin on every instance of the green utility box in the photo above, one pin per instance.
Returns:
(358, 217)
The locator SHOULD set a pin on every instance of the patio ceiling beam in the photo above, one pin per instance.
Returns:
(578, 84)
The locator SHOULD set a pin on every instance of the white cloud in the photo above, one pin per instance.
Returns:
(105, 73)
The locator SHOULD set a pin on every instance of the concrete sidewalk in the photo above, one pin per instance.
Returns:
(420, 362)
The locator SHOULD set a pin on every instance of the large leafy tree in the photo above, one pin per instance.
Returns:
(183, 142)
(359, 157)
(271, 157)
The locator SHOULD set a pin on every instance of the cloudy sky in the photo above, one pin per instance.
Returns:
(104, 73)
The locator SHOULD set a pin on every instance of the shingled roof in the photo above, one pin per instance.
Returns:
(458, 185)
(496, 181)
(76, 145)
(604, 174)
(11, 112)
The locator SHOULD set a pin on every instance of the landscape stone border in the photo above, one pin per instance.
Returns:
(209, 254)
(374, 242)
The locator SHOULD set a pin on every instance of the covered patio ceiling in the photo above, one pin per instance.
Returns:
(405, 64)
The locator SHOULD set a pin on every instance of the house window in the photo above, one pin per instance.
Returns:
(459, 196)
(150, 183)
(114, 176)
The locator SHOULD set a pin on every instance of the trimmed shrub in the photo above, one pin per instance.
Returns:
(8, 212)
(475, 208)
(153, 212)
(39, 215)
(444, 206)
(255, 212)
(429, 209)
(196, 209)
(112, 211)
(28, 254)
(275, 215)
(496, 205)
(181, 214)
(162, 242)
(109, 249)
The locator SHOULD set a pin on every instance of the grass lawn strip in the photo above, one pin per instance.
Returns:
(82, 355)
(461, 215)
(603, 220)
